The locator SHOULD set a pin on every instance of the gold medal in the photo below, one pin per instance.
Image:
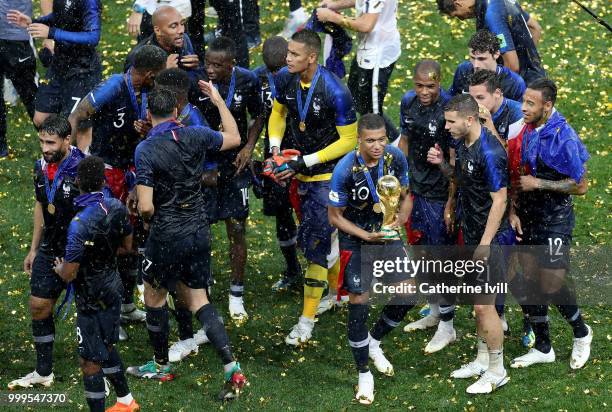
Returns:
(51, 208)
(302, 126)
(377, 208)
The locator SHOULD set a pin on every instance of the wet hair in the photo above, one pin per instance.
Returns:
(149, 57)
(275, 53)
(370, 121)
(56, 124)
(446, 6)
(464, 104)
(484, 41)
(489, 79)
(162, 102)
(547, 87)
(429, 67)
(224, 45)
(310, 38)
(175, 79)
(90, 173)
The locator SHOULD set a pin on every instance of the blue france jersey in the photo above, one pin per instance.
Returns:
(245, 101)
(423, 126)
(75, 26)
(55, 225)
(94, 235)
(192, 116)
(170, 161)
(267, 94)
(331, 106)
(114, 138)
(508, 114)
(349, 188)
(507, 20)
(480, 169)
(512, 85)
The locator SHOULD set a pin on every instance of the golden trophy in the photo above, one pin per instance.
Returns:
(388, 189)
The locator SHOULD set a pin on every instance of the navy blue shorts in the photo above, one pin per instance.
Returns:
(315, 232)
(428, 218)
(496, 264)
(232, 197)
(97, 330)
(550, 247)
(358, 273)
(44, 282)
(186, 259)
(61, 95)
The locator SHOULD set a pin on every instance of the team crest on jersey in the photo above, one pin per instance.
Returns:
(470, 167)
(68, 4)
(316, 106)
(238, 98)
(66, 189)
(433, 128)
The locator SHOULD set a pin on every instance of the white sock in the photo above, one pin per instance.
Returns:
(434, 310)
(127, 307)
(365, 375)
(228, 368)
(446, 326)
(496, 361)
(374, 344)
(307, 321)
(482, 357)
(126, 400)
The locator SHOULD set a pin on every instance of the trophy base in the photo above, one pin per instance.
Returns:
(390, 233)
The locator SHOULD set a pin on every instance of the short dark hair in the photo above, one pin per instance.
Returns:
(149, 57)
(489, 79)
(56, 124)
(275, 52)
(308, 37)
(223, 44)
(484, 41)
(90, 173)
(370, 121)
(428, 66)
(547, 87)
(446, 6)
(162, 102)
(464, 104)
(174, 79)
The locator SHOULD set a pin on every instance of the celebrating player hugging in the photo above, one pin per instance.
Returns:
(137, 169)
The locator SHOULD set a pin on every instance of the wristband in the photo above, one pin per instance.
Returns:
(138, 8)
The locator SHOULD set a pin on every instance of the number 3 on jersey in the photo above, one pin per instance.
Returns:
(120, 120)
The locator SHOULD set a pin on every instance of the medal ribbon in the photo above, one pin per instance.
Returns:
(368, 177)
(56, 181)
(141, 111)
(303, 110)
(232, 88)
(184, 113)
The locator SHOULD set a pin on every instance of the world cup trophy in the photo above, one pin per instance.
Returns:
(389, 189)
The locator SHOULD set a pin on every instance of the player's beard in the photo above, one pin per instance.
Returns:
(55, 156)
